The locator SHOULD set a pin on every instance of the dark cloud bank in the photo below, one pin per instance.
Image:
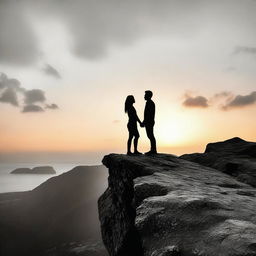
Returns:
(227, 100)
(32, 100)
(95, 26)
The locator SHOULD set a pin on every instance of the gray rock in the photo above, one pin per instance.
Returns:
(43, 170)
(89, 248)
(236, 157)
(21, 170)
(165, 205)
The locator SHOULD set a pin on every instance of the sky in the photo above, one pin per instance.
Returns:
(66, 68)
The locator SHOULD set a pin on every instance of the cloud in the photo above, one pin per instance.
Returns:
(245, 50)
(12, 83)
(225, 100)
(3, 78)
(51, 71)
(195, 102)
(52, 106)
(240, 101)
(96, 27)
(9, 96)
(32, 108)
(221, 96)
(34, 95)
(93, 26)
(18, 44)
(10, 89)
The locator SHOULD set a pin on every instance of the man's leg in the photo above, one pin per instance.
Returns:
(150, 134)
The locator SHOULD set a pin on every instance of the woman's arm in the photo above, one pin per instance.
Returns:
(138, 120)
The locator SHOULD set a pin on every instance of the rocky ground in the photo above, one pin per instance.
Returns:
(235, 157)
(164, 205)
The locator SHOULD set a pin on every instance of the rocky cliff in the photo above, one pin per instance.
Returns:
(165, 205)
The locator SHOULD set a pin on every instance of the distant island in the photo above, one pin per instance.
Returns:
(35, 170)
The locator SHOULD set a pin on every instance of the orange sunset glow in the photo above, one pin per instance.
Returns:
(63, 86)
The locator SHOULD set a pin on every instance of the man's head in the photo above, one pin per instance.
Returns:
(148, 95)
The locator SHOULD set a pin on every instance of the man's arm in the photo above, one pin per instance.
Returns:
(153, 110)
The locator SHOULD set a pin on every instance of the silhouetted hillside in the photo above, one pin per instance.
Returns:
(60, 211)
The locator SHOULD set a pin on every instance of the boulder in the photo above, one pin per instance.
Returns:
(236, 157)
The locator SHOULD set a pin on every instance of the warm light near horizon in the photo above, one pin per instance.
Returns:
(170, 133)
(177, 128)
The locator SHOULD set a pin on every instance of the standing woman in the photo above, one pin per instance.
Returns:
(132, 125)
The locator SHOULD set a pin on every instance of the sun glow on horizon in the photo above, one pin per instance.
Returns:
(177, 128)
(170, 133)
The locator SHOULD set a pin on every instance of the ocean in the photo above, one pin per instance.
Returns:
(24, 182)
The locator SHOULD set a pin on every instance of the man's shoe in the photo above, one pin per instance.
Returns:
(150, 153)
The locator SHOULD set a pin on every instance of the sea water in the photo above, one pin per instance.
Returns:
(24, 182)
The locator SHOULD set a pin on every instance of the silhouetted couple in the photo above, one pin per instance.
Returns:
(148, 123)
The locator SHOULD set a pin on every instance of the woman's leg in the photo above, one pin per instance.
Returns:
(129, 142)
(136, 138)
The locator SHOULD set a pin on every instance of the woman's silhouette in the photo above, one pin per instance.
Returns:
(132, 125)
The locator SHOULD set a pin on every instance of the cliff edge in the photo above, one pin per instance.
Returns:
(165, 205)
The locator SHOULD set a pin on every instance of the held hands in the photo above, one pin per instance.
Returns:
(142, 124)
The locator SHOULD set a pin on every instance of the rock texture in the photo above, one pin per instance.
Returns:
(35, 170)
(235, 157)
(164, 205)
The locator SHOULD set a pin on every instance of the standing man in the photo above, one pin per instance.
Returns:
(149, 121)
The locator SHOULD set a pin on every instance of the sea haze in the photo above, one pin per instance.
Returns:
(60, 161)
(23, 182)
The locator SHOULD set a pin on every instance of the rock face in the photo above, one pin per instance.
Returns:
(235, 157)
(165, 206)
(58, 217)
(35, 170)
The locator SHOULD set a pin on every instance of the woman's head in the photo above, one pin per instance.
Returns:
(128, 102)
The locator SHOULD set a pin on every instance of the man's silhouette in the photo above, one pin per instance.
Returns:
(149, 121)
